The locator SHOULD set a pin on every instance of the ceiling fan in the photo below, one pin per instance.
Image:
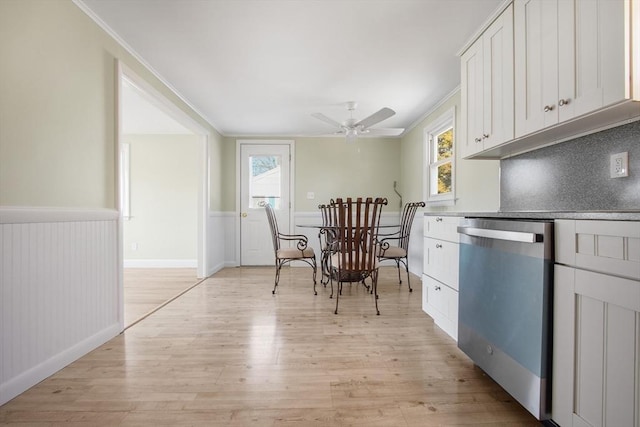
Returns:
(352, 128)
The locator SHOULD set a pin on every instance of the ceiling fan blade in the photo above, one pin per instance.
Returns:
(326, 119)
(383, 131)
(376, 117)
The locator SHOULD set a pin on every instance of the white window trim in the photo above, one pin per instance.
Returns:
(447, 119)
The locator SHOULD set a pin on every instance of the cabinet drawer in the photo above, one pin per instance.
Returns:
(441, 303)
(611, 247)
(442, 227)
(441, 261)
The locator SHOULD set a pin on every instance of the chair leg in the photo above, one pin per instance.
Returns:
(315, 271)
(338, 296)
(374, 285)
(278, 265)
(406, 266)
(398, 266)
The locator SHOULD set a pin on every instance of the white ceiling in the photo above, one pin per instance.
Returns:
(262, 67)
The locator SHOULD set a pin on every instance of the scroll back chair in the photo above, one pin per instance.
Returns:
(327, 236)
(399, 251)
(286, 254)
(354, 256)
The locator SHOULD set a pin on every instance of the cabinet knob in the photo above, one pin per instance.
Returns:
(437, 288)
(548, 108)
(485, 135)
(438, 219)
(563, 102)
(438, 246)
(478, 140)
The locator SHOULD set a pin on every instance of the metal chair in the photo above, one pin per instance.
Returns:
(302, 252)
(327, 236)
(353, 257)
(399, 251)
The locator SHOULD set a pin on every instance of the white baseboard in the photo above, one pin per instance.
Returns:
(33, 376)
(160, 263)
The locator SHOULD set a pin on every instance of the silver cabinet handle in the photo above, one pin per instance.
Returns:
(478, 140)
(563, 102)
(438, 219)
(548, 108)
(514, 236)
(485, 135)
(437, 288)
(438, 246)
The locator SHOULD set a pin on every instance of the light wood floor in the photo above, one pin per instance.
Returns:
(229, 353)
(145, 289)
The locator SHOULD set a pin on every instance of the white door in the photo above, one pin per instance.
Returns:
(264, 178)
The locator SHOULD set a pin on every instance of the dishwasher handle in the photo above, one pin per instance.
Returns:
(489, 233)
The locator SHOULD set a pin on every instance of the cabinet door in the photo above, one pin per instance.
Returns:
(441, 303)
(536, 65)
(498, 81)
(472, 98)
(596, 343)
(441, 261)
(591, 56)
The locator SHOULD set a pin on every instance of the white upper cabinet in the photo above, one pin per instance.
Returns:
(536, 58)
(591, 56)
(569, 60)
(487, 87)
(576, 70)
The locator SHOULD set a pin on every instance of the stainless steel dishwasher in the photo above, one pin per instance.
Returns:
(506, 305)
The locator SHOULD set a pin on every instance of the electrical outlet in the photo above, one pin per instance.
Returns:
(619, 165)
(134, 246)
(311, 195)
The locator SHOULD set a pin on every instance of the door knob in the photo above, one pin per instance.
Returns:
(243, 214)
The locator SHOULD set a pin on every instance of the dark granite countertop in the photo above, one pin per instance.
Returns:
(594, 215)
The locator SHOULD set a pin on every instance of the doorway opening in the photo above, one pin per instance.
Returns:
(162, 170)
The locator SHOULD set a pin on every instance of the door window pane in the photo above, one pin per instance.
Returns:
(265, 181)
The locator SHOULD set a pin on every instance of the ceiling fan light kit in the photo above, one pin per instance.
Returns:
(352, 128)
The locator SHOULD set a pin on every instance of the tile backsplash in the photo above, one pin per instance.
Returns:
(574, 175)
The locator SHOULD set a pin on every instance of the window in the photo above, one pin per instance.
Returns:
(440, 160)
(265, 181)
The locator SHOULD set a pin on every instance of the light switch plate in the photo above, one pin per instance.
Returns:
(619, 165)
(310, 195)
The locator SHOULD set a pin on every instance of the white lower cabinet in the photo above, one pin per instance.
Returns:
(596, 334)
(441, 303)
(440, 278)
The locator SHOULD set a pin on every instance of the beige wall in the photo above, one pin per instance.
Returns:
(164, 175)
(57, 107)
(330, 168)
(477, 181)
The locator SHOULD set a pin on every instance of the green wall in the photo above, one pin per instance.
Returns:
(330, 168)
(57, 107)
(58, 129)
(164, 174)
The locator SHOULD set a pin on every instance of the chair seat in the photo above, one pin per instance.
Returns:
(295, 253)
(393, 252)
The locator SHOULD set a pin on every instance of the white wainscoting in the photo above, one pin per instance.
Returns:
(160, 263)
(222, 237)
(221, 241)
(59, 289)
(387, 218)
